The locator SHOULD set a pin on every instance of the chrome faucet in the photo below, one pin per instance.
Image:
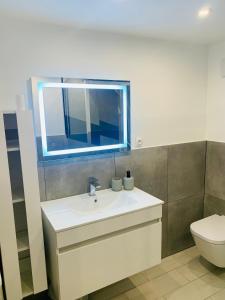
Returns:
(93, 186)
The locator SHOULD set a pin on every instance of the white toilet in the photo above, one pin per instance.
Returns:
(209, 236)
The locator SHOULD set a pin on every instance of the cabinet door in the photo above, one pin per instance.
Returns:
(87, 268)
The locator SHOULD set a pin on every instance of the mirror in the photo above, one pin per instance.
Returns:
(77, 116)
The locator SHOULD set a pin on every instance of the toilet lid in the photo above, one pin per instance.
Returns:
(211, 229)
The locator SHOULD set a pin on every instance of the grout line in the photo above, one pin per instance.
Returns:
(166, 272)
(176, 289)
(167, 173)
(188, 281)
(180, 267)
(206, 151)
(115, 173)
(167, 199)
(214, 294)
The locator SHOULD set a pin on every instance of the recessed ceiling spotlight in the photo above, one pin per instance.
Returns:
(204, 12)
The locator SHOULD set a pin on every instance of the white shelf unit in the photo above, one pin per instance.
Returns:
(22, 245)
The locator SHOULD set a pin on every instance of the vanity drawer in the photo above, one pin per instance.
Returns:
(92, 266)
(89, 231)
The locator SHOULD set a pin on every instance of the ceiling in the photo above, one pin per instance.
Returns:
(161, 19)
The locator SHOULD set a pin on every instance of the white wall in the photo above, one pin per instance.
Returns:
(168, 80)
(216, 94)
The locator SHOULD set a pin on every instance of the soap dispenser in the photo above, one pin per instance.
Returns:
(128, 181)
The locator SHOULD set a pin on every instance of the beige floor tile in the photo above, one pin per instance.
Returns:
(139, 278)
(155, 272)
(214, 281)
(193, 251)
(182, 276)
(195, 268)
(218, 296)
(198, 289)
(135, 294)
(182, 258)
(167, 264)
(162, 285)
(120, 297)
(113, 290)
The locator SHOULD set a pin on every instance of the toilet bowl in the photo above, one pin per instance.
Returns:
(209, 236)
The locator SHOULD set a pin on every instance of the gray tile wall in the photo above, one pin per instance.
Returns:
(186, 180)
(174, 174)
(215, 179)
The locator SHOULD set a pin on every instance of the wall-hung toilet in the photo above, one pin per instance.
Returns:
(209, 236)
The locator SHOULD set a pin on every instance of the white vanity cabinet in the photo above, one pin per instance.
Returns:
(93, 254)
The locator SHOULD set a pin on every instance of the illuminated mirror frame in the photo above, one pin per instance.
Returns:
(126, 118)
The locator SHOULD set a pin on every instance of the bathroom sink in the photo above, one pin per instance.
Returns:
(70, 212)
(94, 241)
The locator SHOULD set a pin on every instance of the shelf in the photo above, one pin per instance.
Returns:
(18, 196)
(18, 201)
(26, 282)
(26, 277)
(22, 241)
(13, 145)
(9, 112)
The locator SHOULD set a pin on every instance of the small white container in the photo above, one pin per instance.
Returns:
(116, 184)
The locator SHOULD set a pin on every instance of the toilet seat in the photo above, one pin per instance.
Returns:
(210, 229)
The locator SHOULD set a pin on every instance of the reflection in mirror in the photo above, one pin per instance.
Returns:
(81, 116)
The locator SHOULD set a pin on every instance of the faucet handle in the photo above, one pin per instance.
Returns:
(98, 187)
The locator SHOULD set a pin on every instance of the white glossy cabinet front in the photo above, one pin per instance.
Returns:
(88, 268)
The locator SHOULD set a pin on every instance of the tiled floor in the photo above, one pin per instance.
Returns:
(183, 276)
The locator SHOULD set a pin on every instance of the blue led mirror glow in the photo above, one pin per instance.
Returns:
(80, 117)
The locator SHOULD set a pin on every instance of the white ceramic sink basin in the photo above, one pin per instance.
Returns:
(74, 211)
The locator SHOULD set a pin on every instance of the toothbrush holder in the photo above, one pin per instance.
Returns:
(116, 184)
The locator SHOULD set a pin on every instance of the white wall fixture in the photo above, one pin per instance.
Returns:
(8, 232)
(139, 142)
(21, 237)
(32, 197)
(95, 241)
(204, 12)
